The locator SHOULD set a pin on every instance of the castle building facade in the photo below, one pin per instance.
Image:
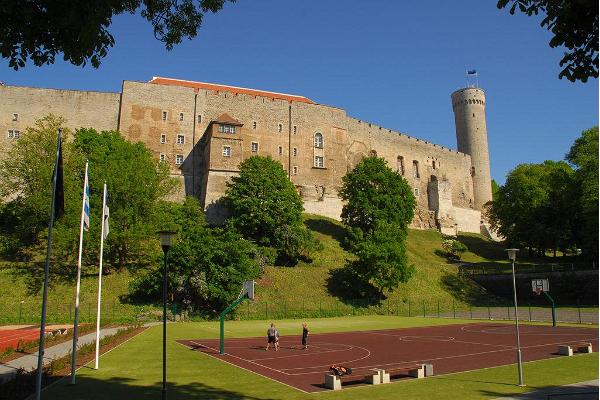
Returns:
(203, 131)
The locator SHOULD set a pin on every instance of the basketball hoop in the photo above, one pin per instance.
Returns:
(538, 290)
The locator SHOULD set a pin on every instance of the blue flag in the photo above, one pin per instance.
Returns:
(471, 72)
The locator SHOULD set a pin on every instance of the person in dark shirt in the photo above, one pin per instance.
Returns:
(304, 336)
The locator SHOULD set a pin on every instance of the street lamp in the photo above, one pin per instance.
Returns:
(512, 256)
(166, 239)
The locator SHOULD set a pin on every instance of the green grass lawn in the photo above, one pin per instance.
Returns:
(134, 370)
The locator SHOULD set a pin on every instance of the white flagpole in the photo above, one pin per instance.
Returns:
(75, 322)
(100, 279)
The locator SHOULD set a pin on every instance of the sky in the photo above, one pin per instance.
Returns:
(392, 63)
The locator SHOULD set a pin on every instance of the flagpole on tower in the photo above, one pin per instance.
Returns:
(472, 73)
(85, 225)
(105, 214)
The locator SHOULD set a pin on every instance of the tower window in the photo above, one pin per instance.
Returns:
(227, 128)
(13, 134)
(180, 139)
(280, 150)
(162, 157)
(400, 165)
(15, 117)
(416, 190)
(295, 151)
(433, 164)
(472, 171)
(180, 117)
(179, 159)
(416, 169)
(226, 151)
(295, 129)
(163, 138)
(253, 124)
(254, 147)
(164, 115)
(319, 162)
(279, 127)
(199, 118)
(295, 170)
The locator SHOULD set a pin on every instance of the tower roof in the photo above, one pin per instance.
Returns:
(227, 119)
(232, 89)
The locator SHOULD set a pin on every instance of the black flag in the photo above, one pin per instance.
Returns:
(59, 194)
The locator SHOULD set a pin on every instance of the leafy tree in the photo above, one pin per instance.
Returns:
(381, 257)
(574, 25)
(495, 188)
(373, 192)
(207, 267)
(533, 207)
(294, 243)
(453, 248)
(38, 30)
(262, 199)
(379, 206)
(584, 156)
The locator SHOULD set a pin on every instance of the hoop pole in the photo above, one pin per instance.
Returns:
(222, 322)
(553, 308)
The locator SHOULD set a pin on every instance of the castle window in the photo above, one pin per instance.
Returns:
(416, 169)
(162, 157)
(199, 119)
(253, 124)
(226, 151)
(295, 129)
(227, 128)
(319, 162)
(433, 178)
(180, 116)
(433, 164)
(13, 134)
(472, 171)
(180, 139)
(280, 150)
(279, 128)
(164, 115)
(15, 117)
(163, 138)
(254, 147)
(319, 140)
(400, 165)
(295, 151)
(179, 159)
(416, 190)
(294, 170)
(473, 115)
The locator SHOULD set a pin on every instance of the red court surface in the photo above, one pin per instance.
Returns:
(450, 348)
(10, 338)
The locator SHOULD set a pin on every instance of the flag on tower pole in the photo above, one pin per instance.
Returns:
(471, 72)
(57, 208)
(85, 216)
(102, 237)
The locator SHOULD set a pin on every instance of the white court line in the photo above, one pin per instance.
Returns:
(509, 330)
(246, 369)
(348, 347)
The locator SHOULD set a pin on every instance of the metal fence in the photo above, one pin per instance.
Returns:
(522, 268)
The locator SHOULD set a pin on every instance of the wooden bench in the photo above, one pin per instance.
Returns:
(567, 349)
(416, 371)
(334, 382)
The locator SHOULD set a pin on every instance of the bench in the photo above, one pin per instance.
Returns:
(379, 376)
(334, 382)
(418, 371)
(567, 349)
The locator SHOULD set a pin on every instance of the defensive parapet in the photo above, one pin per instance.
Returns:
(468, 105)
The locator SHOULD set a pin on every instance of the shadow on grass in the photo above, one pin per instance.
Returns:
(465, 290)
(482, 247)
(351, 289)
(583, 392)
(325, 227)
(124, 388)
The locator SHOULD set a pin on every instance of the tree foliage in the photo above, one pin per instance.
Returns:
(207, 266)
(574, 25)
(583, 155)
(379, 207)
(39, 30)
(534, 207)
(262, 199)
(453, 248)
(374, 192)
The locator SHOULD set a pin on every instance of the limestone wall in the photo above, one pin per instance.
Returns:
(97, 110)
(468, 220)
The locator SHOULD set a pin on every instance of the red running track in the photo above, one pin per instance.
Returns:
(450, 348)
(10, 338)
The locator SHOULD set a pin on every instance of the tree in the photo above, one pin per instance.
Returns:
(373, 192)
(261, 199)
(38, 30)
(453, 248)
(379, 206)
(207, 267)
(584, 156)
(574, 25)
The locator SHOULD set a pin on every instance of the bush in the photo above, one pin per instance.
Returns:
(453, 248)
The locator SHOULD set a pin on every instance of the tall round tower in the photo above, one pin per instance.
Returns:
(468, 105)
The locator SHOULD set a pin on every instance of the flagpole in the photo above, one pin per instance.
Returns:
(76, 321)
(100, 278)
(40, 364)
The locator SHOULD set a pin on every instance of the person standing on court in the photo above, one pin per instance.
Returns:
(272, 337)
(304, 336)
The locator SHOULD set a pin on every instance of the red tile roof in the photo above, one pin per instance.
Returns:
(232, 89)
(228, 119)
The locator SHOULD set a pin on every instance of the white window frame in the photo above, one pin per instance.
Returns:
(179, 159)
(227, 128)
(254, 147)
(180, 139)
(319, 142)
(226, 152)
(319, 162)
(163, 138)
(162, 157)
(14, 134)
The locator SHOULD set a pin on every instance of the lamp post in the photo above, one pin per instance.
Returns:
(166, 238)
(512, 256)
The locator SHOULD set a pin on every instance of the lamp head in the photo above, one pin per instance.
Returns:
(166, 239)
(512, 254)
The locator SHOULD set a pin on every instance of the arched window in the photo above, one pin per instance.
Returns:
(400, 165)
(319, 140)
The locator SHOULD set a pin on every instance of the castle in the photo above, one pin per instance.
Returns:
(203, 131)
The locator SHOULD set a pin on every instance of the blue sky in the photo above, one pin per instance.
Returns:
(393, 63)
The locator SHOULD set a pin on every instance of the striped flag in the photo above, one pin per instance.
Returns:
(86, 202)
(106, 212)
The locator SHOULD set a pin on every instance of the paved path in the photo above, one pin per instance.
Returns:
(30, 361)
(576, 391)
